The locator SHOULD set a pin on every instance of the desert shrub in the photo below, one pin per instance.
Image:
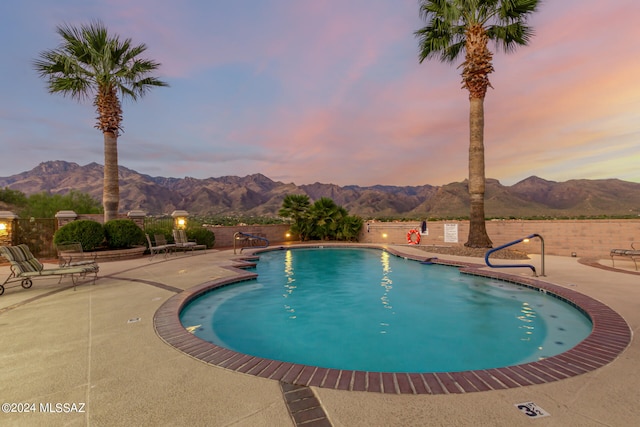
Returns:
(89, 233)
(202, 236)
(123, 233)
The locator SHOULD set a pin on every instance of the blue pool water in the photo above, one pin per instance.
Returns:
(365, 309)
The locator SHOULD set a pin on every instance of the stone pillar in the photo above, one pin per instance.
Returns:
(6, 227)
(180, 219)
(65, 217)
(137, 216)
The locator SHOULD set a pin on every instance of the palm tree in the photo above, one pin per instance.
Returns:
(295, 206)
(91, 63)
(454, 26)
(326, 215)
(349, 228)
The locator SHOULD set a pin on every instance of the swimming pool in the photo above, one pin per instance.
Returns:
(611, 335)
(365, 309)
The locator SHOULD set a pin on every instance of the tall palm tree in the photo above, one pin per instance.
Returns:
(91, 63)
(454, 26)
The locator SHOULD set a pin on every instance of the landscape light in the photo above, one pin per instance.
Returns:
(180, 219)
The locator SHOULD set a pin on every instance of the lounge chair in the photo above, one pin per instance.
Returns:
(632, 253)
(182, 243)
(71, 255)
(156, 249)
(161, 240)
(25, 267)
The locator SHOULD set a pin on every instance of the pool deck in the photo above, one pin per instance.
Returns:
(97, 351)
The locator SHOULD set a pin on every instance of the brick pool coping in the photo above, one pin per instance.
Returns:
(609, 338)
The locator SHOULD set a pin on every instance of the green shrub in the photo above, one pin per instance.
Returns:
(166, 232)
(123, 233)
(202, 236)
(89, 233)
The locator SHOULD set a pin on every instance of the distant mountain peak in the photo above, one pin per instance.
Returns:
(258, 195)
(535, 179)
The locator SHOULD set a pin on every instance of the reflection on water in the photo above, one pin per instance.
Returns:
(387, 285)
(290, 280)
(386, 282)
(527, 318)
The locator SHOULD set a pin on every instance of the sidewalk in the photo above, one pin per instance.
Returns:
(95, 349)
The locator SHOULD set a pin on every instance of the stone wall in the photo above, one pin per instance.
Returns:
(585, 238)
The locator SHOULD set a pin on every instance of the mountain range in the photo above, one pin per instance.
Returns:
(257, 195)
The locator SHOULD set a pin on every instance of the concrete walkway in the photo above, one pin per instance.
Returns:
(92, 357)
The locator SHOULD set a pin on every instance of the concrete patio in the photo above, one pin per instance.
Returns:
(92, 357)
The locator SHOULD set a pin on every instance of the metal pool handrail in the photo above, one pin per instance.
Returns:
(524, 239)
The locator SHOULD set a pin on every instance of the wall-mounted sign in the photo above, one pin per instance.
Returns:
(451, 233)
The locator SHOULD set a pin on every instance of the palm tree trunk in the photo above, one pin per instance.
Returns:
(111, 187)
(478, 237)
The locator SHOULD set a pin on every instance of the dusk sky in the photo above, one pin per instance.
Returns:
(331, 91)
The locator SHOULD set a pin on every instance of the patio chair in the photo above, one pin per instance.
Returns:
(156, 249)
(182, 243)
(71, 254)
(25, 267)
(161, 240)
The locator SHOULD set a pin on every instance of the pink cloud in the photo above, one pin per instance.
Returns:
(347, 101)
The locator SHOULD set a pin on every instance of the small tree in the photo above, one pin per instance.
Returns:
(45, 205)
(13, 197)
(295, 207)
(326, 217)
(323, 220)
(349, 228)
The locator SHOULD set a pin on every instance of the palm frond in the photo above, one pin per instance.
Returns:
(90, 62)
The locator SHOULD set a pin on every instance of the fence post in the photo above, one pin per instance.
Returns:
(6, 227)
(137, 216)
(65, 217)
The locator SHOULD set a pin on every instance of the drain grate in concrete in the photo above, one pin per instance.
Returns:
(304, 406)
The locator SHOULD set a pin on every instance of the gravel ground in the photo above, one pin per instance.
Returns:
(474, 252)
